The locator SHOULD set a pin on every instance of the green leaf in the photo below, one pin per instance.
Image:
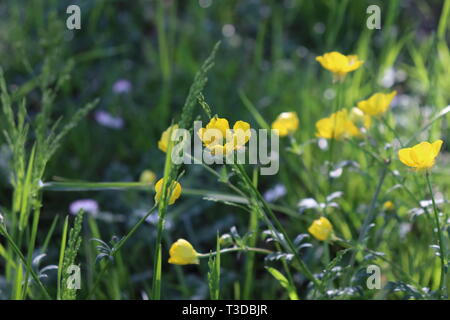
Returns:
(255, 113)
(283, 282)
(214, 272)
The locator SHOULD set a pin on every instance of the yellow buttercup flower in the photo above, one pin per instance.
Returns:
(421, 156)
(220, 139)
(163, 143)
(360, 118)
(377, 104)
(388, 205)
(337, 126)
(241, 134)
(339, 64)
(321, 229)
(174, 191)
(182, 253)
(286, 123)
(207, 134)
(147, 176)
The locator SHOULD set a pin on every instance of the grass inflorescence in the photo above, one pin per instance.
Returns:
(91, 194)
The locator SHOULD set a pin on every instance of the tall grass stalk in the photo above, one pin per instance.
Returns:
(171, 171)
(439, 236)
(23, 261)
(62, 253)
(214, 272)
(369, 218)
(254, 229)
(28, 167)
(163, 203)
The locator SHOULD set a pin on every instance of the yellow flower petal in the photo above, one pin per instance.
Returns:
(219, 124)
(182, 253)
(404, 156)
(339, 64)
(423, 155)
(220, 139)
(286, 123)
(174, 191)
(215, 132)
(337, 126)
(388, 205)
(321, 229)
(420, 156)
(437, 147)
(241, 133)
(377, 104)
(163, 142)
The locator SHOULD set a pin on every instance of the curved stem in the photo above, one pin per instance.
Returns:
(339, 89)
(370, 216)
(235, 249)
(284, 240)
(116, 249)
(386, 123)
(28, 267)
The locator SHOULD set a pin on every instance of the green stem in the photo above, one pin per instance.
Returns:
(401, 272)
(164, 54)
(235, 249)
(117, 248)
(24, 261)
(253, 229)
(163, 203)
(332, 140)
(440, 237)
(386, 123)
(370, 216)
(392, 173)
(133, 230)
(286, 242)
(123, 186)
(31, 246)
(371, 212)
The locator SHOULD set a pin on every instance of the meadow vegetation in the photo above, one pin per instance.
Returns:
(86, 164)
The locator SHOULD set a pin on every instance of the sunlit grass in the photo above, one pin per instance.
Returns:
(344, 99)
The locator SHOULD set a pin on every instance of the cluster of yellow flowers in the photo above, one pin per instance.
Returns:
(220, 139)
(342, 125)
